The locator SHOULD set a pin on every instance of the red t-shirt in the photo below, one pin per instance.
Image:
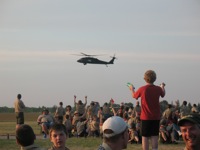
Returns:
(150, 107)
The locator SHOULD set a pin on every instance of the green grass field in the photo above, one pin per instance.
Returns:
(7, 126)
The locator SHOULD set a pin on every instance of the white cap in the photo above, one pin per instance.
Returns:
(116, 124)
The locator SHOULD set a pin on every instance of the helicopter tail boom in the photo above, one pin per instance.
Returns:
(112, 60)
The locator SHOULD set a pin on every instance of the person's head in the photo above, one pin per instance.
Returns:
(95, 118)
(68, 108)
(45, 111)
(185, 103)
(190, 129)
(61, 103)
(137, 103)
(76, 113)
(92, 103)
(80, 102)
(115, 130)
(25, 135)
(150, 76)
(169, 106)
(19, 96)
(58, 135)
(67, 117)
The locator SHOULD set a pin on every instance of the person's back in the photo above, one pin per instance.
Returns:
(150, 109)
(149, 101)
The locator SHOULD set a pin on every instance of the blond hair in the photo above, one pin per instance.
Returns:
(150, 76)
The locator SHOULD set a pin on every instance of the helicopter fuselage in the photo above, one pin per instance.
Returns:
(92, 60)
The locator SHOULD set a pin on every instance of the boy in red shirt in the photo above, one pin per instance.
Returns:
(150, 109)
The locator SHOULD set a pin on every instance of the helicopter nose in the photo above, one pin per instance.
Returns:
(79, 60)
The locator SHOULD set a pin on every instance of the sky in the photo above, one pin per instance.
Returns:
(39, 37)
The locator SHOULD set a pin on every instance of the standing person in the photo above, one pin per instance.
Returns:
(150, 109)
(184, 110)
(137, 109)
(190, 129)
(25, 137)
(58, 136)
(19, 110)
(60, 112)
(115, 134)
(80, 107)
(69, 112)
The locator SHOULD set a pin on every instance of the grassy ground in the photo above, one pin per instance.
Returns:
(82, 144)
(7, 126)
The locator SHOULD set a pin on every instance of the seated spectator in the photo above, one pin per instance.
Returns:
(133, 134)
(164, 134)
(94, 127)
(46, 121)
(194, 109)
(25, 137)
(190, 128)
(58, 136)
(81, 127)
(115, 134)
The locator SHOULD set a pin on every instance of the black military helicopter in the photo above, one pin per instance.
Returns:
(90, 59)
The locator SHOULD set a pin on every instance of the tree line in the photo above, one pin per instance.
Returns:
(5, 109)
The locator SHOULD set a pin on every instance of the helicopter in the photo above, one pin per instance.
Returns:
(90, 59)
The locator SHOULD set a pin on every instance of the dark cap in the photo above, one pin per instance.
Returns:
(193, 118)
(44, 110)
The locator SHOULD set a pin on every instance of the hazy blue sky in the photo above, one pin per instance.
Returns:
(37, 38)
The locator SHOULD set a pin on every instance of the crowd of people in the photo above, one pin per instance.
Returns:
(125, 124)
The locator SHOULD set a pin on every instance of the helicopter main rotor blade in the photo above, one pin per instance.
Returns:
(88, 54)
(91, 55)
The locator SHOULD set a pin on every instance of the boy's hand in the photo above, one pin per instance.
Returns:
(162, 85)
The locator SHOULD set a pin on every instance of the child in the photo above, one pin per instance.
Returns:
(81, 127)
(68, 125)
(164, 134)
(150, 108)
(133, 134)
(94, 127)
(58, 131)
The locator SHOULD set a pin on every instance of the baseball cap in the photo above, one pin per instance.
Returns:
(116, 124)
(193, 118)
